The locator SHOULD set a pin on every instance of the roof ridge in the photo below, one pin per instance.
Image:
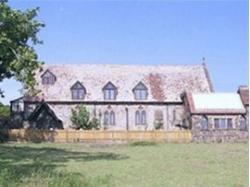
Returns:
(147, 65)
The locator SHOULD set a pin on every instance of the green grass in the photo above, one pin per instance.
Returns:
(136, 164)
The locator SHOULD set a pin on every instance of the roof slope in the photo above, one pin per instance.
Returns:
(164, 82)
(244, 94)
(215, 103)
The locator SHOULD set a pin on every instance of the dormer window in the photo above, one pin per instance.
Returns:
(109, 91)
(78, 91)
(140, 91)
(48, 78)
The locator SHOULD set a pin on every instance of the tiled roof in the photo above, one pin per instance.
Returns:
(164, 82)
(215, 103)
(244, 94)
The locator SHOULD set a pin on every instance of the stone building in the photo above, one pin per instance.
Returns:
(216, 117)
(122, 97)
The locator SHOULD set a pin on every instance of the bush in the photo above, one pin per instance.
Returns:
(4, 111)
(4, 135)
(81, 119)
(158, 125)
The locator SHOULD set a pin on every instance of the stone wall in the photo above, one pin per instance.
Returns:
(218, 135)
(232, 135)
(172, 115)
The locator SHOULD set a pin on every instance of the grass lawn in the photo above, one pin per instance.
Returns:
(47, 164)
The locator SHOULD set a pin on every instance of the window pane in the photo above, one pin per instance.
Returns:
(137, 94)
(137, 118)
(143, 117)
(77, 94)
(204, 123)
(80, 94)
(74, 94)
(105, 94)
(106, 118)
(243, 125)
(142, 94)
(109, 94)
(223, 124)
(112, 94)
(112, 118)
(216, 123)
(229, 123)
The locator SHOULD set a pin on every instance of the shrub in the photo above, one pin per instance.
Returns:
(158, 125)
(4, 135)
(81, 119)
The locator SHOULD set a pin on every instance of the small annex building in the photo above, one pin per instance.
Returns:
(216, 116)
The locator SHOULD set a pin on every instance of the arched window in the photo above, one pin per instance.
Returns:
(109, 118)
(48, 78)
(140, 91)
(106, 118)
(112, 118)
(143, 117)
(109, 91)
(243, 123)
(137, 117)
(204, 123)
(78, 91)
(140, 117)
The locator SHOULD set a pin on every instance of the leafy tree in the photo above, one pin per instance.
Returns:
(81, 119)
(4, 111)
(18, 36)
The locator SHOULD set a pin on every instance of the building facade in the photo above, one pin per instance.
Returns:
(122, 97)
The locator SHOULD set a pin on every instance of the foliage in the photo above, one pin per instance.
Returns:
(18, 36)
(4, 111)
(81, 119)
(4, 136)
(95, 123)
(4, 121)
(158, 124)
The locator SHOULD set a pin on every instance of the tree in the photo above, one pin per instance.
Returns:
(81, 119)
(18, 36)
(4, 111)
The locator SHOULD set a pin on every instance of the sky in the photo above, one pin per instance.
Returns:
(144, 32)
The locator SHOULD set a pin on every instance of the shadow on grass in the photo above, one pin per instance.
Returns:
(143, 143)
(23, 162)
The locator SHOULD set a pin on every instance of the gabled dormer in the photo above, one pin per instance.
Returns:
(109, 91)
(140, 91)
(78, 91)
(48, 78)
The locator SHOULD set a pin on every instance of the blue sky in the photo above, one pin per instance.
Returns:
(145, 32)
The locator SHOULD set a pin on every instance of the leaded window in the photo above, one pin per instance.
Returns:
(78, 91)
(223, 123)
(109, 118)
(204, 123)
(109, 91)
(243, 123)
(140, 91)
(48, 78)
(140, 117)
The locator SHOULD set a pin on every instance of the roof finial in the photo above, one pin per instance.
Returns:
(203, 60)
